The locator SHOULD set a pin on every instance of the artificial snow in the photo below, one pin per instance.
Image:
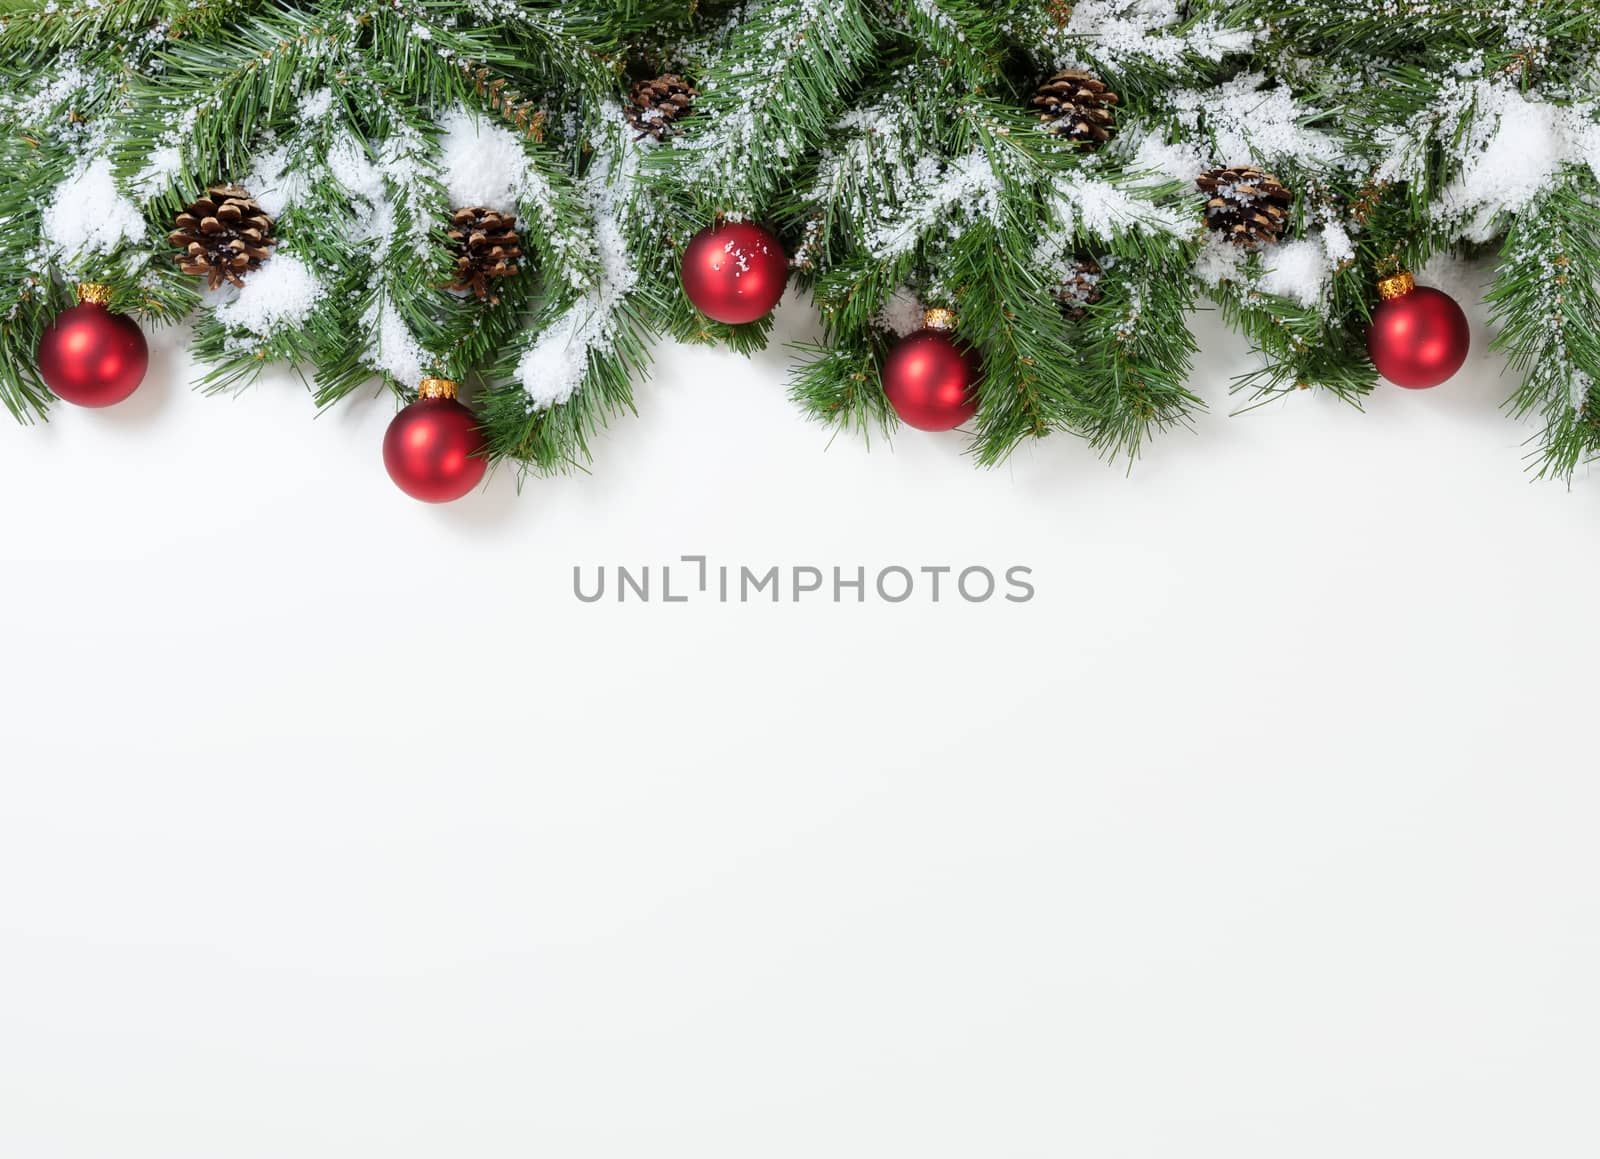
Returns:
(1083, 205)
(273, 183)
(163, 164)
(377, 180)
(552, 369)
(87, 214)
(1297, 270)
(315, 105)
(554, 366)
(483, 163)
(966, 187)
(1178, 160)
(1513, 151)
(940, 19)
(873, 163)
(1219, 260)
(356, 171)
(1513, 146)
(1124, 34)
(166, 160)
(1250, 120)
(1337, 244)
(1578, 388)
(281, 293)
(901, 314)
(372, 216)
(1099, 207)
(46, 102)
(395, 351)
(750, 144)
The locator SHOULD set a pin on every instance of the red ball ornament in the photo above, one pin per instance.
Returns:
(928, 378)
(734, 272)
(433, 448)
(1419, 336)
(90, 356)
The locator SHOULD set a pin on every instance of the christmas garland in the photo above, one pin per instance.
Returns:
(1004, 213)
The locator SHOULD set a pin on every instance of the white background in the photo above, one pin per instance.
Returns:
(334, 826)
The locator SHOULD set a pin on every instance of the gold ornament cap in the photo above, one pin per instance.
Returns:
(437, 388)
(1396, 285)
(939, 318)
(95, 293)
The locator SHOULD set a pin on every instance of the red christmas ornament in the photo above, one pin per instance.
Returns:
(1419, 336)
(433, 448)
(734, 272)
(90, 356)
(928, 378)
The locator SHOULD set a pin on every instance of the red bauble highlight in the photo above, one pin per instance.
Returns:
(1419, 339)
(734, 272)
(92, 357)
(928, 379)
(433, 450)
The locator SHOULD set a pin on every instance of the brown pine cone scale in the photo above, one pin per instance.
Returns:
(1080, 289)
(224, 235)
(486, 246)
(1078, 106)
(1247, 205)
(656, 105)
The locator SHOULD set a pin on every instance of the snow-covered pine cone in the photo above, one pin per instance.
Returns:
(1080, 289)
(1247, 205)
(655, 105)
(1076, 105)
(223, 235)
(485, 245)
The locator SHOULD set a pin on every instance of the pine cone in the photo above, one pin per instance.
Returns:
(1247, 205)
(224, 236)
(1081, 288)
(486, 246)
(657, 103)
(1076, 105)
